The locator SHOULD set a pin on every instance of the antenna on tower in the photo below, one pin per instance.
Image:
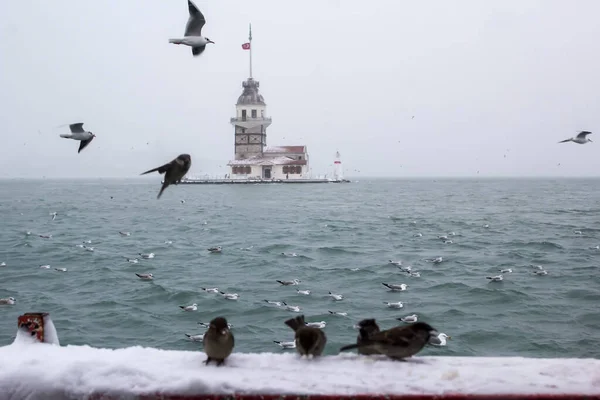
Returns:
(250, 41)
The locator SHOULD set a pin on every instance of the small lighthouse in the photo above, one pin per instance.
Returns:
(338, 173)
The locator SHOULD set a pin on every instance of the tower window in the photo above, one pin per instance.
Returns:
(285, 169)
(262, 113)
(253, 113)
(243, 115)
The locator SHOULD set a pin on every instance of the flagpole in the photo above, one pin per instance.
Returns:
(250, 40)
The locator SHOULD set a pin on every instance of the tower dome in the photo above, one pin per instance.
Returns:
(250, 94)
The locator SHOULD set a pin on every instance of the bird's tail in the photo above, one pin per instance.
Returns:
(176, 41)
(65, 135)
(162, 189)
(296, 323)
(349, 347)
(564, 141)
(181, 307)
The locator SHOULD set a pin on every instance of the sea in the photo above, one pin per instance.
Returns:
(336, 238)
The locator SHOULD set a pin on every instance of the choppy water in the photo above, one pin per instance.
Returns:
(333, 229)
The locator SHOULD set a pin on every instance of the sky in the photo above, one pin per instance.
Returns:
(492, 85)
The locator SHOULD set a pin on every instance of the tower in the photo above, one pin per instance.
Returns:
(250, 121)
(338, 173)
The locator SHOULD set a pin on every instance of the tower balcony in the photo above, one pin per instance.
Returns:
(248, 122)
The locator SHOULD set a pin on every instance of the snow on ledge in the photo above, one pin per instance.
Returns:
(40, 370)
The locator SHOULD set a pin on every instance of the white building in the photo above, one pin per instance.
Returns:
(253, 159)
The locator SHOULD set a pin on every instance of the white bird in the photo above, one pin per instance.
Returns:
(87, 242)
(395, 262)
(210, 290)
(193, 307)
(53, 215)
(496, 278)
(448, 242)
(539, 267)
(291, 308)
(452, 234)
(88, 248)
(398, 304)
(415, 274)
(216, 249)
(207, 324)
(195, 338)
(132, 260)
(595, 247)
(146, 277)
(436, 260)
(395, 287)
(304, 292)
(578, 232)
(275, 303)
(418, 235)
(439, 340)
(409, 318)
(443, 237)
(343, 314)
(336, 297)
(286, 345)
(486, 225)
(541, 273)
(580, 138)
(61, 269)
(320, 324)
(230, 296)
(407, 268)
(146, 256)
(2, 264)
(290, 283)
(78, 133)
(505, 271)
(46, 266)
(9, 301)
(168, 242)
(124, 233)
(193, 31)
(290, 254)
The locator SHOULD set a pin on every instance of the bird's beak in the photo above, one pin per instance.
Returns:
(224, 332)
(590, 140)
(449, 337)
(210, 41)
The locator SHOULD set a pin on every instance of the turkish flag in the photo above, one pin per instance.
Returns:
(246, 46)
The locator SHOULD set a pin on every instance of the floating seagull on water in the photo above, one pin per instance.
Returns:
(46, 266)
(407, 268)
(193, 31)
(88, 248)
(542, 272)
(395, 287)
(418, 235)
(443, 237)
(439, 340)
(286, 345)
(173, 170)
(336, 296)
(230, 296)
(124, 233)
(486, 225)
(304, 292)
(9, 301)
(409, 318)
(132, 260)
(2, 264)
(436, 260)
(343, 314)
(53, 215)
(496, 278)
(538, 267)
(168, 242)
(60, 269)
(146, 277)
(580, 138)
(291, 308)
(195, 338)
(289, 254)
(78, 133)
(87, 242)
(320, 324)
(290, 283)
(452, 234)
(448, 242)
(207, 324)
(578, 232)
(210, 290)
(505, 271)
(595, 248)
(275, 303)
(395, 262)
(193, 307)
(398, 304)
(216, 249)
(415, 274)
(147, 256)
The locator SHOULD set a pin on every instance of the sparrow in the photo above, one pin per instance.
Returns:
(78, 133)
(367, 327)
(175, 170)
(399, 342)
(218, 341)
(310, 341)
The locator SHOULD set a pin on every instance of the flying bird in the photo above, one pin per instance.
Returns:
(193, 31)
(78, 133)
(580, 138)
(175, 170)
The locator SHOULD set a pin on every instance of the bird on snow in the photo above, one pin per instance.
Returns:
(174, 171)
(78, 133)
(580, 138)
(193, 31)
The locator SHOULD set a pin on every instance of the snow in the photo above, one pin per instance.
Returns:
(40, 370)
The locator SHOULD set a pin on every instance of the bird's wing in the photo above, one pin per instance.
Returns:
(195, 22)
(583, 134)
(161, 170)
(83, 144)
(77, 128)
(196, 51)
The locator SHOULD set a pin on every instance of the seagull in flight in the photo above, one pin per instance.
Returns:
(580, 138)
(78, 133)
(193, 31)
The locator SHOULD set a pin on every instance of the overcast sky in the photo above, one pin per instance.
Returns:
(492, 85)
